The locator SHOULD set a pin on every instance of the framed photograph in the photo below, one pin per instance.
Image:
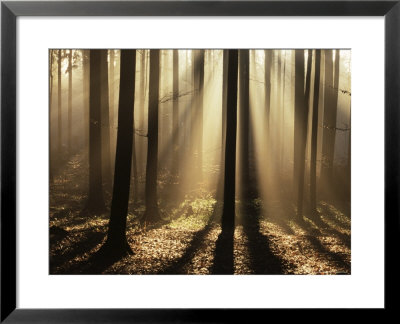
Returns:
(195, 161)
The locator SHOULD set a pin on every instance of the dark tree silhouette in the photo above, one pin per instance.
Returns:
(298, 115)
(314, 136)
(95, 203)
(244, 103)
(116, 240)
(59, 95)
(85, 80)
(105, 121)
(69, 100)
(303, 139)
(151, 214)
(228, 214)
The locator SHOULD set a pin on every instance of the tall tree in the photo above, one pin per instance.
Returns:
(51, 63)
(111, 79)
(116, 240)
(303, 139)
(267, 82)
(314, 136)
(69, 100)
(95, 203)
(175, 112)
(85, 80)
(152, 214)
(330, 113)
(197, 112)
(59, 95)
(244, 121)
(228, 214)
(105, 120)
(298, 114)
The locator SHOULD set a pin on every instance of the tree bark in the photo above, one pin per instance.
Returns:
(119, 206)
(314, 136)
(59, 116)
(228, 214)
(330, 113)
(175, 113)
(244, 122)
(152, 214)
(105, 118)
(303, 139)
(95, 202)
(70, 100)
(298, 115)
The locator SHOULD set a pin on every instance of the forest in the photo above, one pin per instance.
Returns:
(200, 161)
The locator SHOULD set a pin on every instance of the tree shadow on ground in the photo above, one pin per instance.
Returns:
(262, 258)
(223, 254)
(178, 266)
(344, 238)
(88, 242)
(319, 247)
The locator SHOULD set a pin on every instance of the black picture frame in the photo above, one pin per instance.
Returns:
(10, 10)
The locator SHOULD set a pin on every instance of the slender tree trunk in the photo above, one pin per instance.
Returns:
(152, 214)
(85, 78)
(70, 100)
(116, 239)
(199, 118)
(228, 214)
(112, 109)
(135, 187)
(175, 113)
(59, 116)
(314, 136)
(105, 117)
(298, 114)
(267, 82)
(303, 139)
(330, 113)
(283, 131)
(95, 202)
(244, 121)
(51, 175)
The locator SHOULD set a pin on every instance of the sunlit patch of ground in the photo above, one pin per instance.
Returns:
(186, 241)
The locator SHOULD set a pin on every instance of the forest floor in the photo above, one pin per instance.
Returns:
(189, 240)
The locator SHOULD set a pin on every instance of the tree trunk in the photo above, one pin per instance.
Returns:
(95, 202)
(175, 113)
(86, 71)
(116, 239)
(152, 214)
(59, 116)
(267, 82)
(244, 122)
(105, 118)
(228, 214)
(330, 112)
(111, 79)
(314, 136)
(303, 138)
(298, 115)
(70, 100)
(51, 175)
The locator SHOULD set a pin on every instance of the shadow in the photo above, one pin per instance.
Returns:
(262, 258)
(90, 240)
(178, 266)
(321, 224)
(223, 258)
(320, 248)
